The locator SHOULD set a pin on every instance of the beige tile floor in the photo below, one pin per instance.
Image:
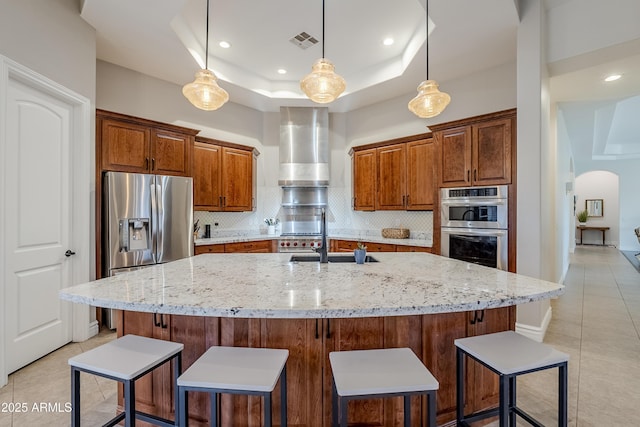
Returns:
(597, 321)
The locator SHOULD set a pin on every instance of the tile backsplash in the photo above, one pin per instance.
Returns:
(340, 216)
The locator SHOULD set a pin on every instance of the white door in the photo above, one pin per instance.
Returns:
(37, 223)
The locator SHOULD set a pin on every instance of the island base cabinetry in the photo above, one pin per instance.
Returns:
(309, 342)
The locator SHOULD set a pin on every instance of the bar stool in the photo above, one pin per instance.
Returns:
(390, 372)
(125, 360)
(509, 354)
(236, 370)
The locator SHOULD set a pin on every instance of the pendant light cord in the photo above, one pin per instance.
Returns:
(426, 8)
(206, 43)
(322, 29)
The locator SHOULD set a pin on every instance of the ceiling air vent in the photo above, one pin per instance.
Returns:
(303, 40)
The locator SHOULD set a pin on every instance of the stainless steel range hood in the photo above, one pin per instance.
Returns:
(304, 147)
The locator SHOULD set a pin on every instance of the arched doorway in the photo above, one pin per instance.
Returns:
(599, 191)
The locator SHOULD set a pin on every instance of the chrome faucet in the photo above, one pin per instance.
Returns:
(322, 250)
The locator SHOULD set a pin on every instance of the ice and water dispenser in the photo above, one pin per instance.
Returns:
(135, 234)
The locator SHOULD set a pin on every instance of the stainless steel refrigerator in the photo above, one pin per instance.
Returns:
(147, 220)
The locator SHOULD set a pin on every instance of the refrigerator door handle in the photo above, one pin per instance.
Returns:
(160, 215)
(156, 209)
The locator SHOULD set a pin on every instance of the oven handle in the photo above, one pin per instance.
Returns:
(474, 231)
(472, 202)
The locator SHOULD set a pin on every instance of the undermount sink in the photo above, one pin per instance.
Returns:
(331, 258)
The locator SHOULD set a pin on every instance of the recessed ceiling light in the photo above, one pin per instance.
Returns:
(388, 41)
(282, 71)
(612, 78)
(225, 45)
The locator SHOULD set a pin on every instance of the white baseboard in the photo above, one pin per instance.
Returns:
(536, 333)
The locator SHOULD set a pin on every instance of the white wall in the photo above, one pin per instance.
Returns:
(600, 185)
(565, 189)
(484, 92)
(581, 27)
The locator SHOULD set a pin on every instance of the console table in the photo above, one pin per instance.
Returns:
(585, 227)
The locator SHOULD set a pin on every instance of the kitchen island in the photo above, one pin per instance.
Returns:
(415, 300)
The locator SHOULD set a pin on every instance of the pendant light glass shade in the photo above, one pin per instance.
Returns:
(204, 92)
(322, 85)
(430, 101)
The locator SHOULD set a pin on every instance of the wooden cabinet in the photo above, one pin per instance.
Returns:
(391, 177)
(130, 144)
(207, 177)
(224, 176)
(421, 188)
(309, 342)
(210, 249)
(152, 390)
(477, 151)
(395, 175)
(439, 355)
(364, 180)
(338, 245)
(155, 391)
(256, 246)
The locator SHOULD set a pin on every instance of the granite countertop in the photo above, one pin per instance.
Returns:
(269, 286)
(236, 237)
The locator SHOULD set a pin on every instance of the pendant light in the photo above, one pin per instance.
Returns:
(204, 92)
(322, 85)
(430, 101)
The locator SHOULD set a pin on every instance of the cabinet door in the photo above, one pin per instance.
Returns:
(483, 387)
(343, 245)
(304, 368)
(439, 332)
(197, 334)
(455, 156)
(125, 146)
(364, 180)
(492, 152)
(380, 247)
(421, 165)
(151, 394)
(210, 249)
(237, 179)
(403, 248)
(171, 153)
(391, 191)
(353, 334)
(207, 185)
(259, 246)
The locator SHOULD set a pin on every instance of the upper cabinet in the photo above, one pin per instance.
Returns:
(476, 151)
(395, 175)
(364, 180)
(224, 176)
(130, 144)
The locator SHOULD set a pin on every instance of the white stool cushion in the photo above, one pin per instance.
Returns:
(236, 368)
(509, 352)
(126, 357)
(380, 371)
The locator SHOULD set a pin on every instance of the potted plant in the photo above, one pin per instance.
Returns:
(360, 253)
(271, 225)
(582, 217)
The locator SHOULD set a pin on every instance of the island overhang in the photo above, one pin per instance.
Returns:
(270, 286)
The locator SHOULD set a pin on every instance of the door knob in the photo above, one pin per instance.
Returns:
(69, 252)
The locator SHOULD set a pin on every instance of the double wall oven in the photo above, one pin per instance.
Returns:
(474, 225)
